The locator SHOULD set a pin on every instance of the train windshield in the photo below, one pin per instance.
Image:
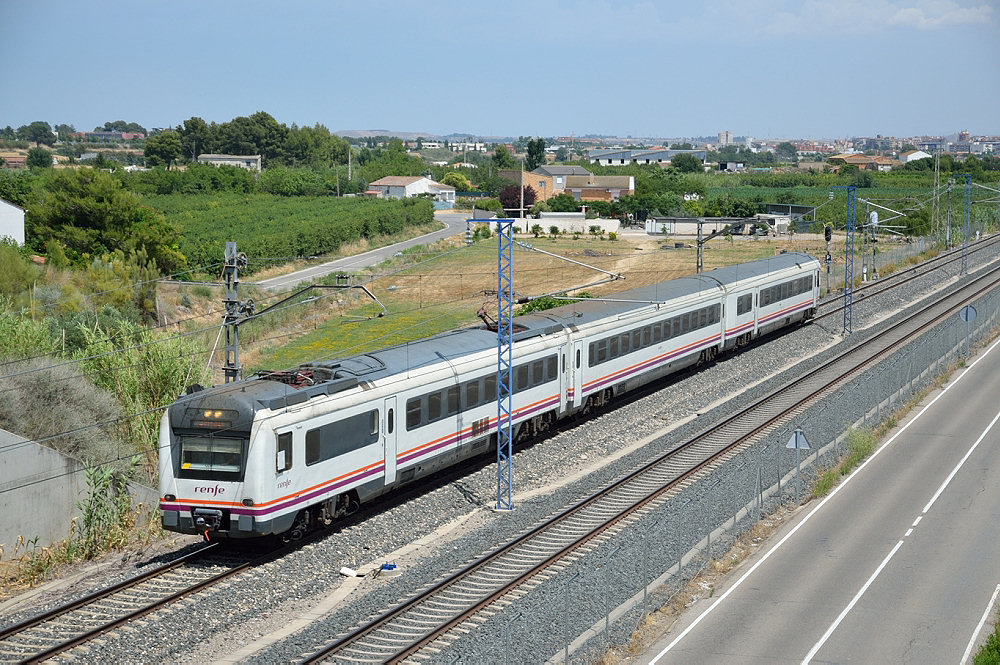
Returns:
(211, 457)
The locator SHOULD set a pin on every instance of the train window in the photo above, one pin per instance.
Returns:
(647, 335)
(413, 412)
(636, 339)
(552, 368)
(490, 389)
(601, 352)
(624, 345)
(433, 407)
(685, 323)
(283, 456)
(658, 332)
(521, 378)
(703, 317)
(389, 421)
(537, 373)
(211, 457)
(744, 304)
(612, 348)
(340, 437)
(454, 400)
(472, 394)
(312, 446)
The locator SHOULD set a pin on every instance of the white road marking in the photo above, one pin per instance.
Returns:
(871, 579)
(819, 506)
(975, 634)
(850, 605)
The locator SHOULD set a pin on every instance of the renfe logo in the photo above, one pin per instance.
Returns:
(214, 491)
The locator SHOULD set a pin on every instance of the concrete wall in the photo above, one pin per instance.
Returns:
(577, 223)
(39, 488)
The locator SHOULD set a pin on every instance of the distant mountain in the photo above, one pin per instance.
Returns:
(368, 133)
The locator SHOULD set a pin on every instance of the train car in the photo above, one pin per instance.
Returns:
(283, 451)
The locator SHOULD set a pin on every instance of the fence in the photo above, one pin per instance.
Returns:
(601, 598)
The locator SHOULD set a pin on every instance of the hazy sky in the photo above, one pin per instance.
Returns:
(832, 68)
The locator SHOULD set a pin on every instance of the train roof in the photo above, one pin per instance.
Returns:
(278, 389)
(741, 271)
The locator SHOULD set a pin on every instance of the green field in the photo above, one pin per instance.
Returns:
(266, 226)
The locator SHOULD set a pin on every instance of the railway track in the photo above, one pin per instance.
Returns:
(73, 624)
(463, 600)
(834, 304)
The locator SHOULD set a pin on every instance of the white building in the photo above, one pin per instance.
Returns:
(914, 155)
(11, 221)
(248, 162)
(404, 187)
(725, 138)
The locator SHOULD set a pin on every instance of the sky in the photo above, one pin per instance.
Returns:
(659, 68)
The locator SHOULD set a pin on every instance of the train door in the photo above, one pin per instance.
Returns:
(576, 373)
(389, 438)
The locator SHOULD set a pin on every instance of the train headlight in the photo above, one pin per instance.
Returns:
(248, 502)
(212, 418)
(169, 497)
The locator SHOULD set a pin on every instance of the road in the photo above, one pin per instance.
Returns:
(899, 564)
(454, 224)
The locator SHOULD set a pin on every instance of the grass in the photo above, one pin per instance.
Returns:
(436, 288)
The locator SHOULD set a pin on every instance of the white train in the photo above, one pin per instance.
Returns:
(279, 452)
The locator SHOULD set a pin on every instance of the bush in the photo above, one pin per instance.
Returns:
(144, 374)
(40, 399)
(17, 273)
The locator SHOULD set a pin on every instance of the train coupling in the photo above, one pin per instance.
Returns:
(207, 519)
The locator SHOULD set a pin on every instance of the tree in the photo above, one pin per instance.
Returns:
(63, 131)
(90, 213)
(502, 158)
(163, 148)
(40, 132)
(681, 146)
(536, 154)
(510, 197)
(563, 203)
(196, 137)
(39, 158)
(562, 154)
(457, 180)
(122, 126)
(786, 150)
(686, 163)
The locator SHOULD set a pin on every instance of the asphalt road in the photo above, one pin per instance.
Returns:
(454, 224)
(900, 565)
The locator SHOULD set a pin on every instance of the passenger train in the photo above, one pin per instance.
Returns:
(280, 452)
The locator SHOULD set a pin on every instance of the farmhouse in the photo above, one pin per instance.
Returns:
(404, 187)
(248, 162)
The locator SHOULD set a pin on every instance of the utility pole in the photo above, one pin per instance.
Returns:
(936, 207)
(235, 310)
(966, 212)
(849, 259)
(505, 359)
(947, 232)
